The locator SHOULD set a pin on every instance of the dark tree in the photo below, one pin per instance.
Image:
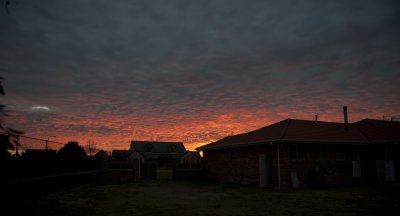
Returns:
(9, 138)
(72, 151)
(91, 148)
(5, 145)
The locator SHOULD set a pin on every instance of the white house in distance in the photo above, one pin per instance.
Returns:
(164, 153)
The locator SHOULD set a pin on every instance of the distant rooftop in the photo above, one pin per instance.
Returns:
(157, 147)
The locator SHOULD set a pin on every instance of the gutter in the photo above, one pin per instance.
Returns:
(261, 142)
(388, 141)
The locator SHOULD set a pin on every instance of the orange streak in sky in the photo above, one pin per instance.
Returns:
(116, 132)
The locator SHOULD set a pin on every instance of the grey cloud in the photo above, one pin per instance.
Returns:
(158, 59)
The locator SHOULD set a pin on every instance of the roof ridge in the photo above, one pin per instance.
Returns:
(319, 121)
(362, 132)
(286, 128)
(146, 141)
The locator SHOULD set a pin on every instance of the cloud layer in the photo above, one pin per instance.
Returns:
(194, 71)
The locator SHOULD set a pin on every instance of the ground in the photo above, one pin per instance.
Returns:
(208, 198)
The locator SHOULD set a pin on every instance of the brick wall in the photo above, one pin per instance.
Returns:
(312, 172)
(241, 165)
(234, 165)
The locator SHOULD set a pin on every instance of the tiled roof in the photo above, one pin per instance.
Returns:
(294, 130)
(379, 130)
(120, 154)
(157, 147)
(102, 154)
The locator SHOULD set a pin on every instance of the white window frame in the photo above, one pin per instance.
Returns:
(147, 148)
(340, 159)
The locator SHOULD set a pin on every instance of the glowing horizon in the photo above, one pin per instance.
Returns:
(192, 134)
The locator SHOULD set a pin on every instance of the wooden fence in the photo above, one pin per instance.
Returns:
(129, 171)
(189, 172)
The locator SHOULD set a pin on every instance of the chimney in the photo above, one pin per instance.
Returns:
(316, 118)
(346, 120)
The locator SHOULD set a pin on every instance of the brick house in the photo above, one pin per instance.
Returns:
(295, 153)
(383, 147)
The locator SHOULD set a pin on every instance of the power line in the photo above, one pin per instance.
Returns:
(40, 139)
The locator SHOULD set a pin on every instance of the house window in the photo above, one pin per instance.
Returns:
(149, 148)
(172, 148)
(321, 153)
(296, 152)
(340, 155)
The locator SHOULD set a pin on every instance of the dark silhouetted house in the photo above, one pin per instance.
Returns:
(102, 155)
(163, 153)
(127, 156)
(191, 157)
(191, 160)
(121, 155)
(135, 155)
(190, 167)
(295, 153)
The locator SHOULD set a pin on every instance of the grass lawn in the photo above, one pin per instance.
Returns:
(207, 198)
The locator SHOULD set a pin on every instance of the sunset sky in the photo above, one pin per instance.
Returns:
(194, 71)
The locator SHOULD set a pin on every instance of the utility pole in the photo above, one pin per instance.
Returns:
(16, 146)
(46, 147)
